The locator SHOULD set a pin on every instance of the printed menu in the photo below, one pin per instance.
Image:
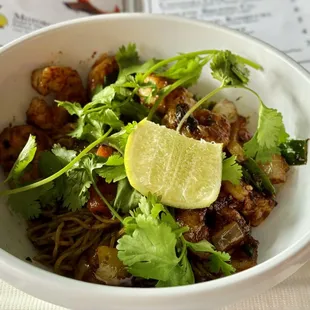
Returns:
(284, 24)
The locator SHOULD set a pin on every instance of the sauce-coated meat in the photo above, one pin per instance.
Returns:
(195, 220)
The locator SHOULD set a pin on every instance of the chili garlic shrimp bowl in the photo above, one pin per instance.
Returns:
(150, 161)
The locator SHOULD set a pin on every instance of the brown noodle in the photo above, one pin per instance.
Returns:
(61, 237)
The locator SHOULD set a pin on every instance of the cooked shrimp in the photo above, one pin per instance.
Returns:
(46, 117)
(65, 82)
(104, 66)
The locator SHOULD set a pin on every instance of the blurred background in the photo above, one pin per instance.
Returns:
(284, 24)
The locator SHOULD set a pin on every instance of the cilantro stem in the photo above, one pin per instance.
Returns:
(167, 61)
(106, 202)
(193, 54)
(184, 248)
(253, 92)
(58, 173)
(250, 63)
(165, 93)
(198, 104)
(211, 94)
(181, 230)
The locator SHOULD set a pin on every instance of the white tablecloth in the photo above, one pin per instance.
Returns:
(292, 294)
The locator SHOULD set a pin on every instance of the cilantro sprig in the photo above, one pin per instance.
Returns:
(218, 261)
(60, 172)
(154, 247)
(270, 134)
(67, 175)
(230, 70)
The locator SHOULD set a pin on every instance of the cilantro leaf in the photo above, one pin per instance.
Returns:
(151, 245)
(269, 135)
(105, 117)
(125, 76)
(28, 203)
(64, 155)
(145, 206)
(218, 261)
(49, 164)
(129, 63)
(73, 108)
(127, 198)
(105, 96)
(76, 192)
(92, 125)
(231, 170)
(182, 274)
(94, 116)
(79, 179)
(115, 160)
(145, 253)
(82, 175)
(228, 69)
(113, 169)
(24, 158)
(127, 56)
(119, 139)
(201, 246)
(112, 173)
(184, 67)
(132, 110)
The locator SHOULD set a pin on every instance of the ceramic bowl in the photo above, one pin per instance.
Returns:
(284, 237)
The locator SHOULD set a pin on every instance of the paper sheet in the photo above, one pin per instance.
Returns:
(284, 24)
(19, 17)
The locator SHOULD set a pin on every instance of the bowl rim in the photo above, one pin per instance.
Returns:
(29, 271)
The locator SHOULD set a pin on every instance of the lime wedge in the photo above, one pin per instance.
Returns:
(184, 172)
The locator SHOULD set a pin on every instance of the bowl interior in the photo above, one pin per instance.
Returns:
(280, 85)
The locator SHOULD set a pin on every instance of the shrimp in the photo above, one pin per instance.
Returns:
(46, 117)
(104, 66)
(65, 82)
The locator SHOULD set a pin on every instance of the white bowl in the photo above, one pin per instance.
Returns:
(284, 236)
